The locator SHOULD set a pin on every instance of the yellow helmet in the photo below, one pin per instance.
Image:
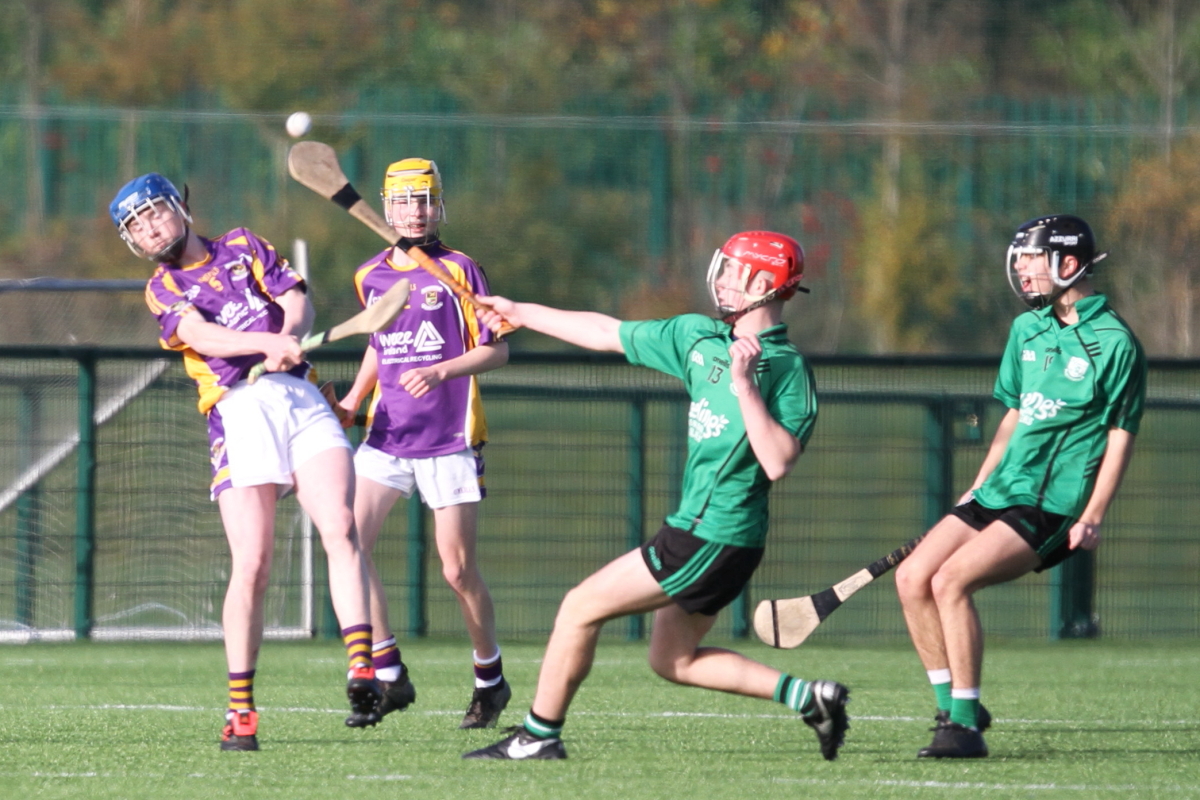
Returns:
(415, 178)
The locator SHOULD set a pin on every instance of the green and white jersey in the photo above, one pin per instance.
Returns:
(1071, 384)
(724, 487)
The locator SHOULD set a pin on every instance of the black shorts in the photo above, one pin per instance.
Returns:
(1043, 531)
(702, 577)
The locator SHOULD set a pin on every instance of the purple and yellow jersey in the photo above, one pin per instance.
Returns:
(435, 326)
(235, 286)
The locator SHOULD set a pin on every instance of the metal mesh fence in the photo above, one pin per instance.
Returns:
(584, 460)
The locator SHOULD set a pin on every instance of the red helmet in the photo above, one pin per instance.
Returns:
(754, 252)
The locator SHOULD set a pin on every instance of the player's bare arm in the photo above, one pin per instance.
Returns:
(774, 447)
(364, 384)
(1086, 532)
(586, 329)
(298, 313)
(484, 358)
(208, 338)
(995, 452)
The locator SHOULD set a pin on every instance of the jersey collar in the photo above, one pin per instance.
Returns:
(1086, 307)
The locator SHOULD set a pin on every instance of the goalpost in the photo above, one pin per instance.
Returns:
(157, 565)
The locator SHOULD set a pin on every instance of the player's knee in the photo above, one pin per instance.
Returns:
(947, 584)
(251, 575)
(575, 610)
(666, 665)
(911, 584)
(459, 577)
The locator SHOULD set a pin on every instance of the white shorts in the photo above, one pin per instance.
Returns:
(443, 480)
(273, 427)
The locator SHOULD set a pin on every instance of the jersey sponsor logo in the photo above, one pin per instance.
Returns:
(425, 340)
(428, 339)
(231, 314)
(1076, 368)
(1028, 355)
(696, 359)
(432, 297)
(703, 423)
(239, 316)
(1036, 406)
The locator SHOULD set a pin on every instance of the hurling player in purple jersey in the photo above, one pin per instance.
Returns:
(427, 430)
(228, 304)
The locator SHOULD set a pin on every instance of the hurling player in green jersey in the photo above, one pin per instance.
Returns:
(1073, 378)
(753, 408)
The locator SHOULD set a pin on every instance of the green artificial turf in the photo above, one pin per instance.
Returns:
(1074, 719)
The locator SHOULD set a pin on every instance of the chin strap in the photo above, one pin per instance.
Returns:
(790, 283)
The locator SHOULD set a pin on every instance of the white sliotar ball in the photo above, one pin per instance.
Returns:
(299, 124)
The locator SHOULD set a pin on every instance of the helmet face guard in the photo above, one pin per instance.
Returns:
(414, 180)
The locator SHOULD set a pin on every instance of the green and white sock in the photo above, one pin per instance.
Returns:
(543, 728)
(940, 680)
(964, 706)
(794, 693)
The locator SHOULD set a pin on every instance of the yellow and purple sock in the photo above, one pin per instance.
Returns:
(241, 691)
(358, 645)
(385, 656)
(488, 671)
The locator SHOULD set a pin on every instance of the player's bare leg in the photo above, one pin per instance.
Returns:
(914, 577)
(325, 489)
(676, 654)
(373, 501)
(622, 587)
(248, 515)
(456, 529)
(994, 556)
(997, 555)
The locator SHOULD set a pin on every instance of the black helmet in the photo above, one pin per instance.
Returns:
(1055, 236)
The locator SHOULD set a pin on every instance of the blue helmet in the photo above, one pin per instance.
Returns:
(145, 193)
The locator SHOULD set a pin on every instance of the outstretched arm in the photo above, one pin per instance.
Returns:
(586, 329)
(1086, 532)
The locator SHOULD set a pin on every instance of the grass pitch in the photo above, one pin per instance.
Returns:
(1076, 719)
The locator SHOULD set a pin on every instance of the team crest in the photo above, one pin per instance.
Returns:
(1076, 368)
(238, 272)
(433, 298)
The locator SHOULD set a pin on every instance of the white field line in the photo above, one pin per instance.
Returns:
(644, 715)
(958, 786)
